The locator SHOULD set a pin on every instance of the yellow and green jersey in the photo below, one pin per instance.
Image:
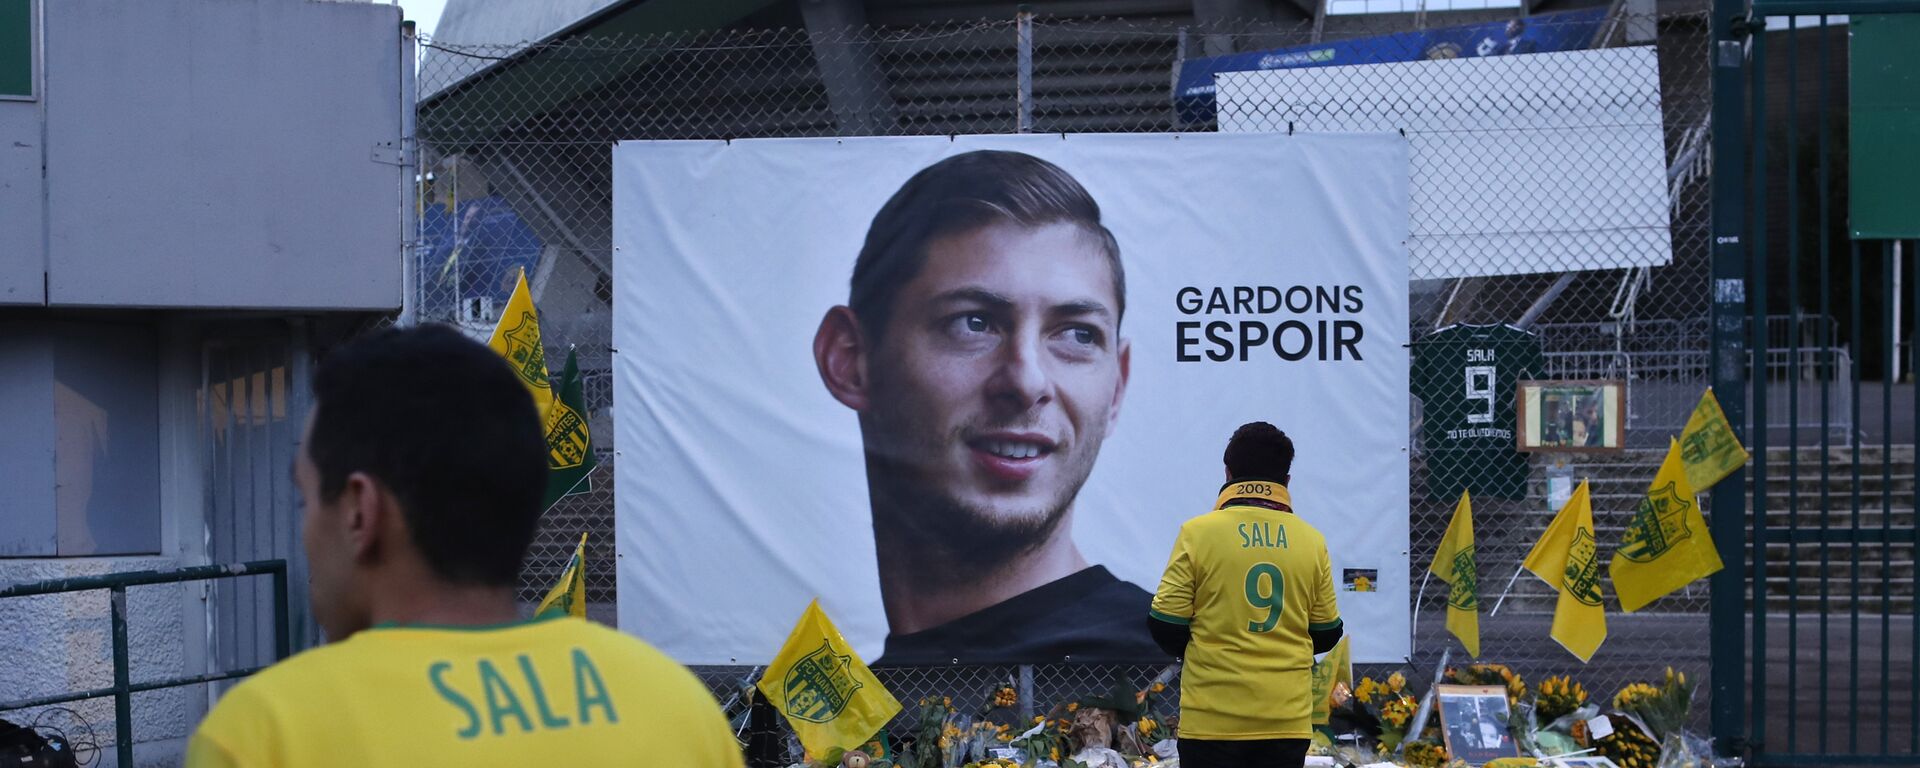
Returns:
(1251, 579)
(559, 691)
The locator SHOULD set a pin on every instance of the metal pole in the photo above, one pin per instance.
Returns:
(410, 183)
(122, 696)
(1730, 369)
(1023, 44)
(282, 637)
(1893, 341)
(1026, 693)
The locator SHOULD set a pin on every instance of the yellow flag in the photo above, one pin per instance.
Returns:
(569, 595)
(823, 688)
(516, 337)
(1332, 669)
(1567, 558)
(1454, 564)
(1667, 545)
(1708, 447)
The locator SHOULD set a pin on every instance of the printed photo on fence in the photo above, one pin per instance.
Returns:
(964, 391)
(1474, 721)
(1572, 416)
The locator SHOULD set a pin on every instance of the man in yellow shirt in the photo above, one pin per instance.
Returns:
(1246, 601)
(421, 472)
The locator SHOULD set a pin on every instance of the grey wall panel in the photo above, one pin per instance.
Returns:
(220, 154)
(27, 527)
(107, 439)
(23, 254)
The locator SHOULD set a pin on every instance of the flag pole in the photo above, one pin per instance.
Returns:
(1504, 592)
(1421, 596)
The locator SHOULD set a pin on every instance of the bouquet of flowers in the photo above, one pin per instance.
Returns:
(1426, 754)
(1663, 710)
(1558, 697)
(1490, 674)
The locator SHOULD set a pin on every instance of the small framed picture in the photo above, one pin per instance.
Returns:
(1474, 722)
(1572, 416)
(1584, 761)
(1361, 579)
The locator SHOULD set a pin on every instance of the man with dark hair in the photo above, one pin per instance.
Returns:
(981, 348)
(1517, 41)
(422, 471)
(1247, 601)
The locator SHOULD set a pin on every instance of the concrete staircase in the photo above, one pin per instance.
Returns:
(1506, 529)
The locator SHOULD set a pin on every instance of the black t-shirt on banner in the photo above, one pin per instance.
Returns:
(1089, 616)
(1465, 377)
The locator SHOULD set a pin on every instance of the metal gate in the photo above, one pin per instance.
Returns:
(252, 408)
(1817, 618)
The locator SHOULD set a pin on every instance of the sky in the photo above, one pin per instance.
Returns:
(425, 12)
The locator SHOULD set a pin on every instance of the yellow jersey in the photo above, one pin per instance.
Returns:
(559, 691)
(1250, 581)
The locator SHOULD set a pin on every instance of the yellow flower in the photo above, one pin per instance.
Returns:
(1396, 682)
(1073, 707)
(1159, 687)
(1054, 753)
(1366, 690)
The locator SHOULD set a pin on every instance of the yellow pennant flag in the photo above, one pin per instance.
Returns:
(1667, 545)
(516, 337)
(1454, 564)
(1332, 669)
(823, 688)
(569, 595)
(1708, 447)
(1567, 557)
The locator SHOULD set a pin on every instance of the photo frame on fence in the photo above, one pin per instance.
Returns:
(1583, 761)
(1474, 722)
(1587, 416)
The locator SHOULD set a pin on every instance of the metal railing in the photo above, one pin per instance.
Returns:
(123, 687)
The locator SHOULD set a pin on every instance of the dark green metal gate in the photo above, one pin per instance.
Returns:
(1816, 661)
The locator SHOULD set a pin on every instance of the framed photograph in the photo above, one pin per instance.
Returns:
(1572, 416)
(1474, 722)
(1584, 761)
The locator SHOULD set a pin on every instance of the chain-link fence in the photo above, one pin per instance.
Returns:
(516, 156)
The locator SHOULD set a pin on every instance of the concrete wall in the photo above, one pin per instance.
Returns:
(207, 155)
(56, 644)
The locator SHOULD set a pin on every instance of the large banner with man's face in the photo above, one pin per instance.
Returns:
(966, 390)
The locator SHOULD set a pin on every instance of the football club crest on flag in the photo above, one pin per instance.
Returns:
(1567, 558)
(516, 337)
(820, 685)
(570, 457)
(1658, 526)
(1667, 545)
(566, 437)
(1583, 568)
(1709, 449)
(823, 688)
(1454, 563)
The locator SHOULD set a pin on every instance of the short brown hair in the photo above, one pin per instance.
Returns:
(961, 194)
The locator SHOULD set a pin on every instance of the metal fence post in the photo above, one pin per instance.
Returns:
(1730, 368)
(282, 636)
(1023, 37)
(122, 681)
(1026, 694)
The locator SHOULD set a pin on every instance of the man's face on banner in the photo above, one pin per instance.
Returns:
(998, 375)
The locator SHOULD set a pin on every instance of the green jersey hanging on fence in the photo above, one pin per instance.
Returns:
(1465, 377)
